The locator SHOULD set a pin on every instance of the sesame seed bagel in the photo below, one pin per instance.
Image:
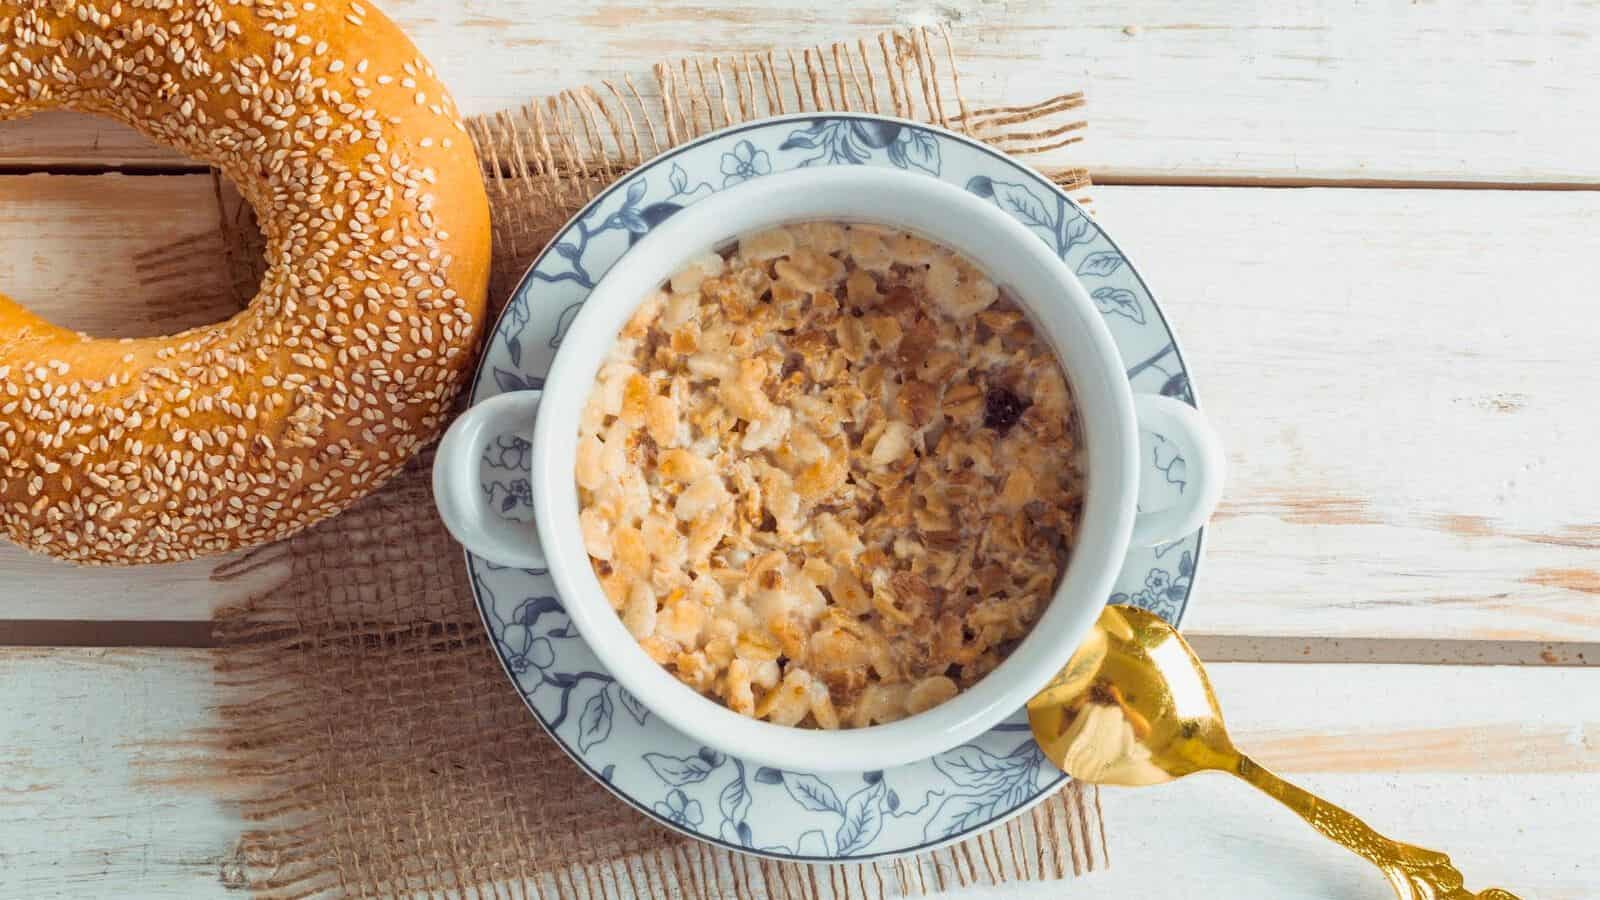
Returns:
(343, 365)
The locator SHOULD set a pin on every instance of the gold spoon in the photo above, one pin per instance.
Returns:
(1133, 707)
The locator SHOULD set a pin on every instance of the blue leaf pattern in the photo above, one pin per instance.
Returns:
(842, 142)
(697, 789)
(563, 323)
(594, 725)
(915, 149)
(991, 786)
(511, 381)
(1100, 263)
(973, 767)
(514, 320)
(1021, 202)
(1077, 231)
(811, 792)
(633, 706)
(956, 815)
(922, 151)
(678, 771)
(863, 819)
(1119, 302)
(734, 801)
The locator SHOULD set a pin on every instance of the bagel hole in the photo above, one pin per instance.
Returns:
(159, 245)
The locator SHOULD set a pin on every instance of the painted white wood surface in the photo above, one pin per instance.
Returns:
(1495, 92)
(1403, 378)
(104, 788)
(115, 255)
(1400, 376)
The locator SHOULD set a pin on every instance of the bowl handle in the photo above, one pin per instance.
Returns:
(460, 496)
(1203, 461)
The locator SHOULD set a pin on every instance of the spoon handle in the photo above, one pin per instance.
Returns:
(1414, 873)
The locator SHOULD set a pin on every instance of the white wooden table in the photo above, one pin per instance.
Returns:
(1377, 230)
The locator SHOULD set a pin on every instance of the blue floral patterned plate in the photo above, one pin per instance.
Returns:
(662, 773)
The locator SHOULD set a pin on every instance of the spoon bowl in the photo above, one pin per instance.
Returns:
(1133, 706)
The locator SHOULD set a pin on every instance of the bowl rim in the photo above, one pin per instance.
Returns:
(1073, 606)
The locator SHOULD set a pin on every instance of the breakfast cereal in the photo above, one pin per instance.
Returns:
(831, 477)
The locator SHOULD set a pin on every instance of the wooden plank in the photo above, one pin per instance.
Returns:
(1496, 93)
(104, 781)
(95, 750)
(59, 139)
(118, 256)
(1398, 375)
(1502, 537)
(35, 587)
(1480, 763)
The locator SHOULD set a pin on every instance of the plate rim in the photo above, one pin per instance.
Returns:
(468, 558)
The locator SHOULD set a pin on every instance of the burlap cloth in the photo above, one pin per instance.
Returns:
(378, 745)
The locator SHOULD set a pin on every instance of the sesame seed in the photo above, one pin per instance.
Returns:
(131, 479)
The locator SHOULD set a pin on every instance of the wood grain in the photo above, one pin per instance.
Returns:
(119, 256)
(1404, 379)
(100, 776)
(104, 781)
(1398, 374)
(1213, 90)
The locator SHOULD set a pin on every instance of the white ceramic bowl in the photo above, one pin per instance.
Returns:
(1028, 271)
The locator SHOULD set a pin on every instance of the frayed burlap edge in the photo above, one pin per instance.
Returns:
(545, 160)
(381, 751)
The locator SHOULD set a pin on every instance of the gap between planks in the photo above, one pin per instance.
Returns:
(1213, 648)
(84, 633)
(89, 169)
(1113, 178)
(1106, 178)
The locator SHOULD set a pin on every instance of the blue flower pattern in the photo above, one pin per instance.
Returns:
(679, 809)
(696, 789)
(743, 163)
(503, 473)
(844, 141)
(1163, 593)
